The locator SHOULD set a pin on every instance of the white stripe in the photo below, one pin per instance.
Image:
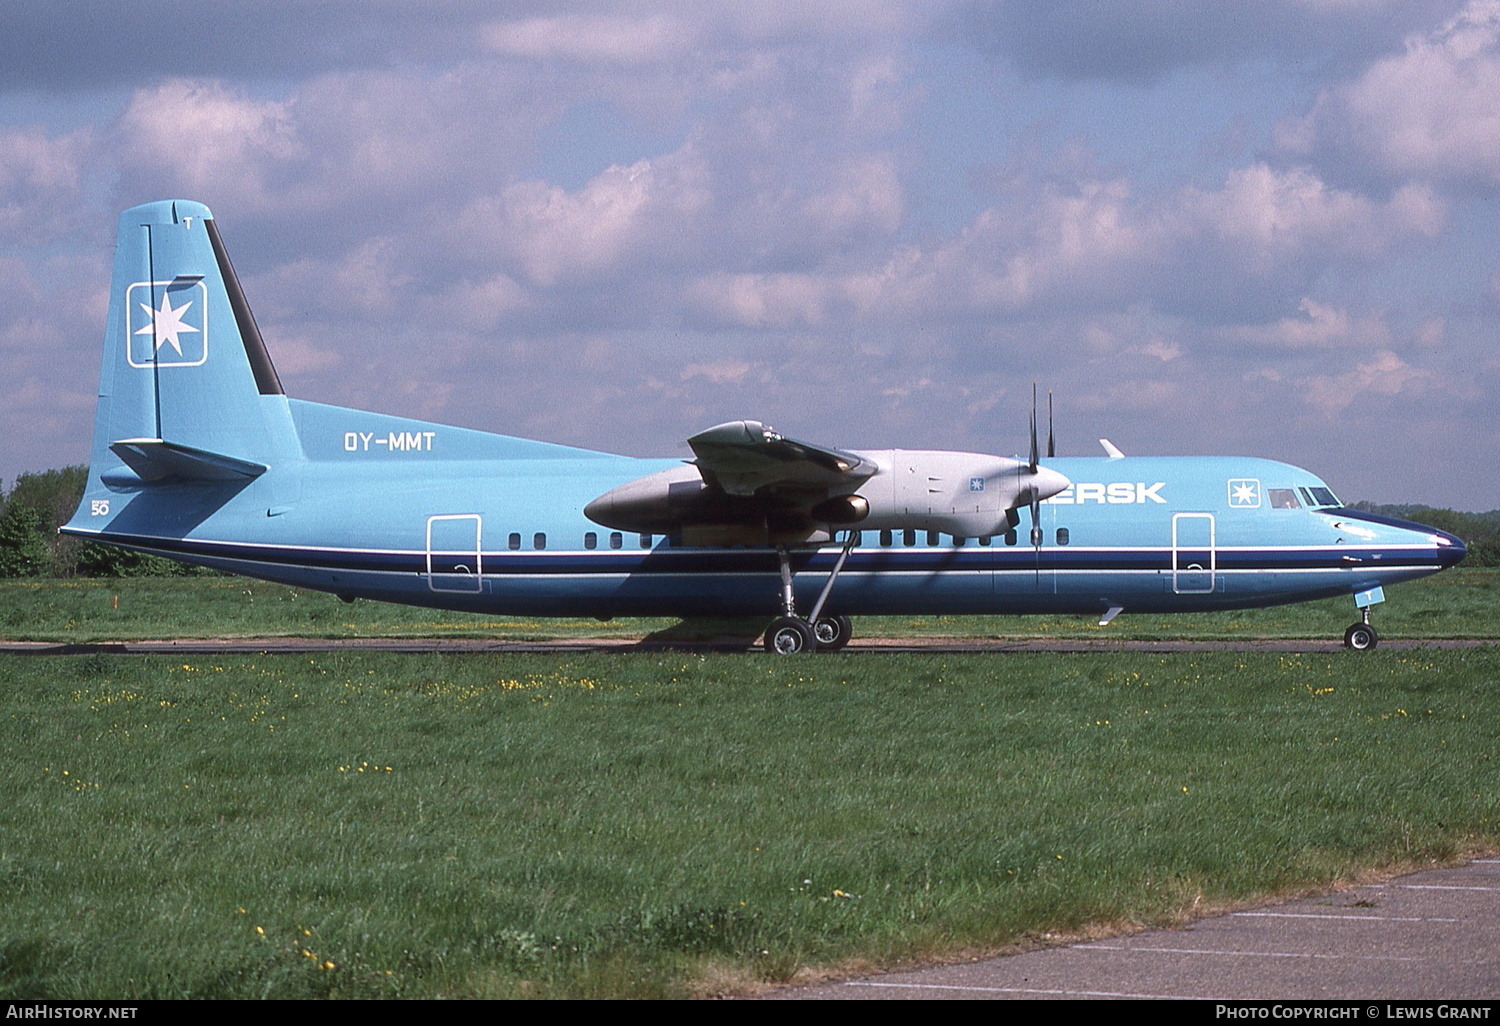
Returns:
(1122, 549)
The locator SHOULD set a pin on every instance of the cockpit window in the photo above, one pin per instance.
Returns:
(1323, 497)
(1283, 498)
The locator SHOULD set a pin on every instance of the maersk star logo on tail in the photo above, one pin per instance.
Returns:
(168, 324)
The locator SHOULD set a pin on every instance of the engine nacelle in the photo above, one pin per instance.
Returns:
(968, 495)
(654, 504)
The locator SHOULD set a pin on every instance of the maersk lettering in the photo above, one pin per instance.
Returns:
(1116, 493)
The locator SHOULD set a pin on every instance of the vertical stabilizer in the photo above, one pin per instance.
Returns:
(184, 362)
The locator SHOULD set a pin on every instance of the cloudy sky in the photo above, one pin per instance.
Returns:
(1263, 227)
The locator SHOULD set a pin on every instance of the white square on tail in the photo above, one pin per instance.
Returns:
(166, 324)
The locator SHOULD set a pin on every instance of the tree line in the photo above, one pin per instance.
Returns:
(32, 511)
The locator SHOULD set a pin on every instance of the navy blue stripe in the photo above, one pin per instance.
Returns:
(749, 561)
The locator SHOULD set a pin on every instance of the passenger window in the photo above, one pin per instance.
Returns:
(958, 542)
(985, 541)
(591, 540)
(1010, 536)
(514, 541)
(645, 541)
(616, 539)
(932, 537)
(1283, 498)
(1062, 536)
(539, 540)
(908, 537)
(885, 538)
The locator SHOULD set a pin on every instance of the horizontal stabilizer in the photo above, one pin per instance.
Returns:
(155, 460)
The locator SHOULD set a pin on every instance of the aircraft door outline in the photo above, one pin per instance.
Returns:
(454, 556)
(1194, 554)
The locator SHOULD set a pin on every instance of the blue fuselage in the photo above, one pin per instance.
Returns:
(380, 508)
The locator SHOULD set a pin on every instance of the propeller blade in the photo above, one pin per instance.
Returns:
(1051, 445)
(1033, 428)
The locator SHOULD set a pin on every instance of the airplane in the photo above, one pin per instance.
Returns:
(200, 456)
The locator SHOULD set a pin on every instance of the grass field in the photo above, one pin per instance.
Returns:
(1455, 604)
(370, 825)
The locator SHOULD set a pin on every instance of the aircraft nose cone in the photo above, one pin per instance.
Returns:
(1450, 547)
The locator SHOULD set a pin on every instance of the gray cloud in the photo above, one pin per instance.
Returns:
(1141, 40)
(76, 45)
(423, 226)
(1430, 111)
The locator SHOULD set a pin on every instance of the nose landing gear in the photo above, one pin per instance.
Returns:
(1361, 637)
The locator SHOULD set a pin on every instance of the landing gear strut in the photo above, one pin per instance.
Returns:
(1361, 637)
(789, 633)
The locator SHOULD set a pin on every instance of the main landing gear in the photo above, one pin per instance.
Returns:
(1361, 637)
(789, 633)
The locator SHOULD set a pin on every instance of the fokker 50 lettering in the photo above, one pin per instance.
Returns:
(200, 456)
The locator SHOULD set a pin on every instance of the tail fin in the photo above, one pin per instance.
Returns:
(187, 388)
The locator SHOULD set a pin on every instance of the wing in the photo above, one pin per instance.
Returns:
(749, 485)
(745, 457)
(746, 485)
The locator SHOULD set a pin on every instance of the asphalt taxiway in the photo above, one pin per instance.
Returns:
(1429, 936)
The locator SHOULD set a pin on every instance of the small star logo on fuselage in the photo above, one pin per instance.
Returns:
(1244, 492)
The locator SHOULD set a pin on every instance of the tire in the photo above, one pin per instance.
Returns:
(831, 633)
(1361, 637)
(788, 635)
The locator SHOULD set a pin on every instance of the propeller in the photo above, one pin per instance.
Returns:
(1035, 482)
(1036, 499)
(1051, 445)
(1033, 428)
